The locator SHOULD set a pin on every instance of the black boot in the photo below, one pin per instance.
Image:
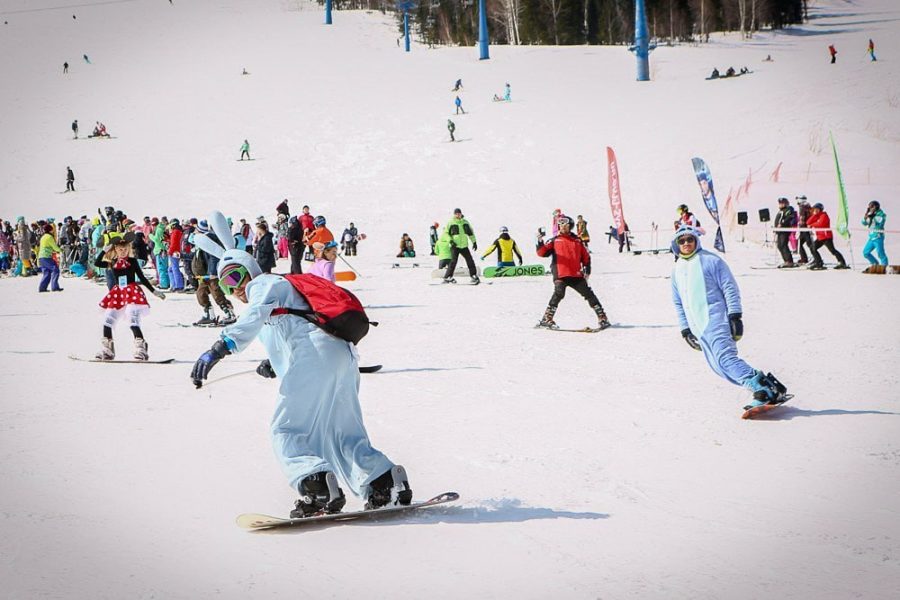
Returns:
(319, 493)
(548, 322)
(602, 321)
(391, 487)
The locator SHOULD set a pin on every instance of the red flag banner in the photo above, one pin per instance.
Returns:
(615, 195)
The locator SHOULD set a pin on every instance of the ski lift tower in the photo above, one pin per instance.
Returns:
(642, 45)
(406, 7)
(482, 31)
(328, 12)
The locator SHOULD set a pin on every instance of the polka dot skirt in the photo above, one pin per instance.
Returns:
(118, 297)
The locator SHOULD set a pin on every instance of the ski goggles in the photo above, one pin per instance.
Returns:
(233, 276)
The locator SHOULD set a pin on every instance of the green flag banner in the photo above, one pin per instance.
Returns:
(843, 210)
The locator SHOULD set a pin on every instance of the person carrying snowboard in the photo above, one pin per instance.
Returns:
(460, 232)
(505, 247)
(126, 298)
(317, 430)
(708, 303)
(570, 267)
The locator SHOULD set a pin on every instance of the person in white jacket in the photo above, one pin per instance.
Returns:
(317, 430)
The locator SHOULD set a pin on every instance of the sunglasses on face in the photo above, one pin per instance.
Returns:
(686, 240)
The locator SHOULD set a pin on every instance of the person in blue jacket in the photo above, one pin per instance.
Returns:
(317, 429)
(708, 303)
(874, 220)
(459, 108)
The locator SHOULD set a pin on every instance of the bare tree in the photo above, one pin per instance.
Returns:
(554, 6)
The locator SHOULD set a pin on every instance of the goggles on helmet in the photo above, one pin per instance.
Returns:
(232, 277)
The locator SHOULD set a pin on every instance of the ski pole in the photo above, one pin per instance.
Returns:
(349, 265)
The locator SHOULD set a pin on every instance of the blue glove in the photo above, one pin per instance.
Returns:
(207, 361)
(265, 369)
(690, 339)
(737, 326)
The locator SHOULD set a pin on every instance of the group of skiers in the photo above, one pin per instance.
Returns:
(457, 103)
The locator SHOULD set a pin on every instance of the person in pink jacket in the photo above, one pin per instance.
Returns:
(326, 254)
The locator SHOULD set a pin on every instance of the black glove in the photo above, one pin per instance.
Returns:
(475, 246)
(207, 361)
(265, 369)
(737, 326)
(690, 339)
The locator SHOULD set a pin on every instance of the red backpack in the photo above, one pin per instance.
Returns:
(332, 308)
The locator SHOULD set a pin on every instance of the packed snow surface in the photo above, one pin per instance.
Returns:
(612, 465)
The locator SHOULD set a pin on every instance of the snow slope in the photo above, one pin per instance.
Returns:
(590, 466)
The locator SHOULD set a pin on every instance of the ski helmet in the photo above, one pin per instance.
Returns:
(319, 221)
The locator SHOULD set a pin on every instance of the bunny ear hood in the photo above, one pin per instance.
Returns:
(240, 257)
(207, 245)
(220, 227)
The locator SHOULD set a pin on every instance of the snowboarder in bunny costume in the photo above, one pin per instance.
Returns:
(317, 430)
(708, 303)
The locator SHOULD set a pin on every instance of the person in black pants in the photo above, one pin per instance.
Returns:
(295, 245)
(70, 180)
(785, 218)
(805, 238)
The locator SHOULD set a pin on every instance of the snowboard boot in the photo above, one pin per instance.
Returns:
(140, 349)
(841, 266)
(474, 279)
(816, 266)
(108, 351)
(766, 390)
(547, 322)
(208, 318)
(602, 321)
(230, 317)
(319, 493)
(391, 487)
(448, 280)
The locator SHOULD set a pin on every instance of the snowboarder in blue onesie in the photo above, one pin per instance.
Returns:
(317, 430)
(708, 303)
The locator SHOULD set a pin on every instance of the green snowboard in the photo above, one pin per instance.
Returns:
(520, 271)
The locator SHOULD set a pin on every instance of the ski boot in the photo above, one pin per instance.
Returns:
(140, 349)
(816, 266)
(108, 352)
(474, 279)
(841, 266)
(766, 390)
(602, 321)
(208, 318)
(319, 493)
(448, 280)
(547, 322)
(230, 317)
(391, 487)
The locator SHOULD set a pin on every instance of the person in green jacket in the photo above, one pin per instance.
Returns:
(245, 149)
(161, 256)
(48, 266)
(443, 249)
(460, 232)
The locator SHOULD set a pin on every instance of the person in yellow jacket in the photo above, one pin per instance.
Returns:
(50, 269)
(505, 247)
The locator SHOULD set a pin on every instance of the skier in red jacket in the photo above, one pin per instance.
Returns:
(570, 268)
(819, 220)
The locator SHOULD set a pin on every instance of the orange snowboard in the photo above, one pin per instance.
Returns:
(345, 276)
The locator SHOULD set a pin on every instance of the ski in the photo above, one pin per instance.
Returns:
(399, 266)
(255, 521)
(165, 361)
(370, 369)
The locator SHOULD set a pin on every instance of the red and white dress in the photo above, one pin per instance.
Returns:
(127, 293)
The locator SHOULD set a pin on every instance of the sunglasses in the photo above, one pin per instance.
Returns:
(232, 278)
(686, 240)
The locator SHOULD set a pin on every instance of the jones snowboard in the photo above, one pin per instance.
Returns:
(345, 276)
(257, 521)
(520, 271)
(135, 362)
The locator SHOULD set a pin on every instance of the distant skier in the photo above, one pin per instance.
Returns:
(350, 239)
(505, 247)
(451, 127)
(785, 218)
(433, 236)
(871, 50)
(407, 248)
(708, 303)
(833, 52)
(818, 219)
(459, 108)
(283, 209)
(85, 56)
(245, 150)
(317, 431)
(126, 298)
(570, 267)
(70, 180)
(295, 245)
(457, 86)
(65, 68)
(75, 128)
(460, 232)
(874, 220)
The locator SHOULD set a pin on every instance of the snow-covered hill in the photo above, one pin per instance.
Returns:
(590, 466)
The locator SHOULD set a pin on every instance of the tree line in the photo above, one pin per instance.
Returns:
(572, 22)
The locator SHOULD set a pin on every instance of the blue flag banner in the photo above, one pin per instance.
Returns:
(708, 192)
